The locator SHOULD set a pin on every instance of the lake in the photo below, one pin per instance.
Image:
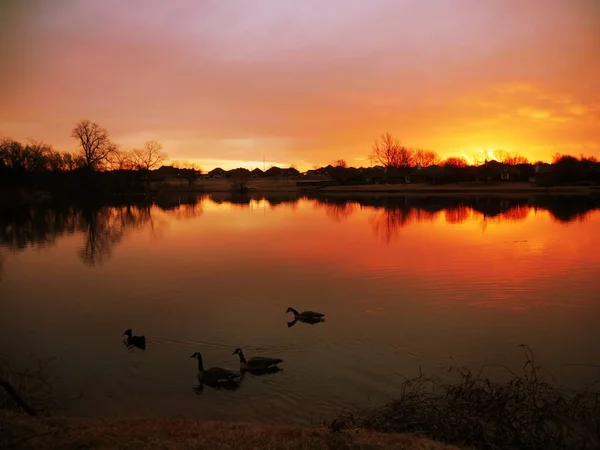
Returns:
(408, 284)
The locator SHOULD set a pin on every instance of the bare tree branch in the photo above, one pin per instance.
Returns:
(426, 158)
(388, 152)
(150, 156)
(96, 146)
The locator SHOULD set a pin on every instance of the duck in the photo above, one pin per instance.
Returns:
(256, 363)
(135, 341)
(306, 316)
(214, 374)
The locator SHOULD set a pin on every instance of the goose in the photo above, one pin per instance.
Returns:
(135, 341)
(256, 363)
(214, 374)
(306, 316)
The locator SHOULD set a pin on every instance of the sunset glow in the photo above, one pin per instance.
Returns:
(279, 82)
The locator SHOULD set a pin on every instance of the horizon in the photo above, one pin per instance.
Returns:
(303, 85)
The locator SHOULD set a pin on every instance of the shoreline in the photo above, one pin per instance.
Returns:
(273, 187)
(25, 197)
(24, 432)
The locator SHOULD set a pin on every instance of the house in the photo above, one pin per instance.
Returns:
(542, 174)
(429, 174)
(509, 174)
(217, 173)
(315, 175)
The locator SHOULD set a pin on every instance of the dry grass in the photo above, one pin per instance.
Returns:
(20, 432)
(527, 412)
(35, 386)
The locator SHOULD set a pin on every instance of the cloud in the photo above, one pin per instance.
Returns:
(310, 81)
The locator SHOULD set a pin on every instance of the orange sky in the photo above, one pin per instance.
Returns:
(229, 82)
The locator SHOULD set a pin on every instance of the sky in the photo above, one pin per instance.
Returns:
(234, 82)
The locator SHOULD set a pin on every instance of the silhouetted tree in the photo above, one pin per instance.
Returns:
(457, 166)
(340, 163)
(388, 152)
(568, 168)
(513, 159)
(426, 158)
(122, 160)
(456, 161)
(96, 147)
(150, 157)
(239, 179)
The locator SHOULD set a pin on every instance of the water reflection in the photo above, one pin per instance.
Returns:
(222, 386)
(392, 213)
(103, 226)
(441, 289)
(307, 320)
(337, 211)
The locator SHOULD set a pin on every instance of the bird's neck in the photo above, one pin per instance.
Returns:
(294, 311)
(242, 358)
(200, 364)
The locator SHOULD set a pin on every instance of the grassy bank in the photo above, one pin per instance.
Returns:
(21, 432)
(528, 410)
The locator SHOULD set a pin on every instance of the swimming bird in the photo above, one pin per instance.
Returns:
(306, 316)
(214, 374)
(135, 341)
(256, 363)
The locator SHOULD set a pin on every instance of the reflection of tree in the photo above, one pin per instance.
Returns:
(36, 226)
(515, 214)
(387, 222)
(186, 211)
(243, 200)
(103, 227)
(566, 209)
(338, 211)
(394, 213)
(458, 214)
(106, 228)
(180, 208)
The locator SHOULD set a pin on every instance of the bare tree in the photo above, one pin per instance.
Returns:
(512, 159)
(456, 161)
(340, 163)
(122, 160)
(72, 161)
(96, 147)
(150, 156)
(388, 152)
(186, 165)
(426, 158)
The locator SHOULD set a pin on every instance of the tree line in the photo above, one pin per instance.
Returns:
(96, 152)
(387, 151)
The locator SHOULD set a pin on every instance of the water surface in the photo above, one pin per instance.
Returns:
(407, 283)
